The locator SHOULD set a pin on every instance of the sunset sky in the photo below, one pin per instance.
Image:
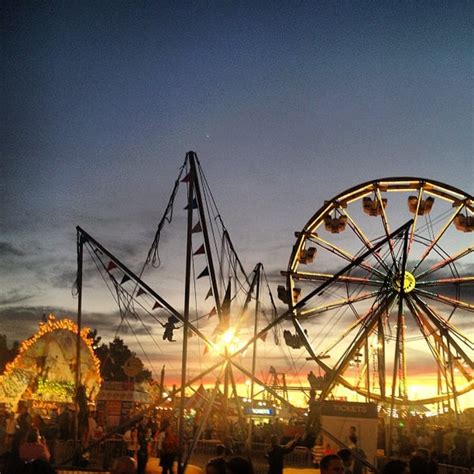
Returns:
(287, 104)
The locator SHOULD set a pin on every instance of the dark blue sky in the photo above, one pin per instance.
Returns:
(286, 103)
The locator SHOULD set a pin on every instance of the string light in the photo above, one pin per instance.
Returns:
(59, 391)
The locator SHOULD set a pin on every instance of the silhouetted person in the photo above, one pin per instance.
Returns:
(34, 447)
(357, 453)
(216, 466)
(347, 459)
(395, 466)
(169, 450)
(239, 465)
(276, 454)
(419, 465)
(169, 329)
(331, 464)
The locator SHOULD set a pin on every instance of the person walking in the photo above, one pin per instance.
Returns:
(277, 452)
(144, 439)
(169, 450)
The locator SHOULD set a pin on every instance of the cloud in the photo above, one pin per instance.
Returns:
(14, 297)
(7, 249)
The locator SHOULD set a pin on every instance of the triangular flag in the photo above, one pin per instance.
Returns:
(157, 305)
(187, 178)
(125, 278)
(212, 312)
(195, 205)
(225, 308)
(197, 228)
(140, 292)
(200, 250)
(111, 266)
(263, 337)
(204, 273)
(209, 294)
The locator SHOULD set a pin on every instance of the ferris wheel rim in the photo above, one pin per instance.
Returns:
(356, 193)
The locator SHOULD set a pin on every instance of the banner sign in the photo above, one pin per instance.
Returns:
(260, 411)
(349, 409)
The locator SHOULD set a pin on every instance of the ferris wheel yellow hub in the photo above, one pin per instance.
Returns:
(409, 282)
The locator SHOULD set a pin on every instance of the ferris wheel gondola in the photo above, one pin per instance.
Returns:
(389, 326)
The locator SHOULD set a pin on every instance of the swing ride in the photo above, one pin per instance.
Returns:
(377, 283)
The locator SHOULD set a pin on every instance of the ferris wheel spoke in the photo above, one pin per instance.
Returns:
(446, 261)
(337, 304)
(313, 276)
(359, 339)
(399, 369)
(446, 329)
(446, 300)
(334, 249)
(438, 237)
(439, 279)
(351, 328)
(399, 363)
(262, 384)
(386, 227)
(446, 281)
(381, 356)
(428, 330)
(364, 239)
(415, 217)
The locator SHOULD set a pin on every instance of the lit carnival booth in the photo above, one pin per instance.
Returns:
(43, 375)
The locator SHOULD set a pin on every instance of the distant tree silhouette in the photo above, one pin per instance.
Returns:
(113, 357)
(7, 355)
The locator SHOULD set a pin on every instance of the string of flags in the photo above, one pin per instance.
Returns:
(201, 250)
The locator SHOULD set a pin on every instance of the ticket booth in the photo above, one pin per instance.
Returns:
(339, 418)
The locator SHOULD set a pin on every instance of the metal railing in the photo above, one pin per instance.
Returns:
(449, 469)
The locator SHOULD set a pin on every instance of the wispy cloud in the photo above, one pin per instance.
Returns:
(7, 249)
(14, 297)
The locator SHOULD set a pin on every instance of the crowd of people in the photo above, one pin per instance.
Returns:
(25, 439)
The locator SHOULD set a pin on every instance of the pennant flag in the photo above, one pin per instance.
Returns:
(209, 294)
(187, 178)
(111, 266)
(157, 305)
(197, 228)
(124, 279)
(200, 250)
(140, 292)
(225, 308)
(212, 313)
(263, 337)
(204, 273)
(195, 205)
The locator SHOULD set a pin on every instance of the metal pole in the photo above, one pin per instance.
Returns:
(399, 345)
(215, 290)
(80, 254)
(254, 351)
(187, 296)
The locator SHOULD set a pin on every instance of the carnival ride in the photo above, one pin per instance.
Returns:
(45, 369)
(397, 313)
(365, 272)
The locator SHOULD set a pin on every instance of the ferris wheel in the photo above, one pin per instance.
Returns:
(380, 290)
